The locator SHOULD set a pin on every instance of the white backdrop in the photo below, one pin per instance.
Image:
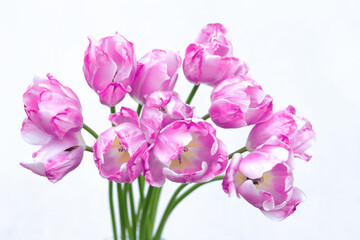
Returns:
(305, 53)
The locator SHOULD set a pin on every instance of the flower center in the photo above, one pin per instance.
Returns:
(187, 161)
(120, 151)
(162, 109)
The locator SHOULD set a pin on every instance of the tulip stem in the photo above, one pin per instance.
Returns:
(112, 212)
(174, 201)
(241, 150)
(89, 130)
(139, 109)
(132, 208)
(121, 211)
(192, 93)
(87, 148)
(205, 117)
(144, 215)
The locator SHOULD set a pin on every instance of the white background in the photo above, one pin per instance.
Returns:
(305, 53)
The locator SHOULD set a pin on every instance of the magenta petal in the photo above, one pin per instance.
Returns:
(185, 151)
(58, 166)
(57, 157)
(124, 115)
(228, 184)
(109, 68)
(52, 107)
(157, 71)
(161, 109)
(239, 101)
(297, 197)
(118, 151)
(32, 134)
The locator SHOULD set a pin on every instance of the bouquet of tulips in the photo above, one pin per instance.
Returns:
(164, 139)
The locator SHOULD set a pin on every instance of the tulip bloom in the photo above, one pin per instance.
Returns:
(185, 151)
(118, 150)
(57, 157)
(109, 68)
(161, 109)
(264, 178)
(209, 60)
(52, 107)
(157, 71)
(239, 101)
(285, 122)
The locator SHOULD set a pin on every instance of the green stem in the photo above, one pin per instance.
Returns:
(89, 130)
(144, 215)
(125, 211)
(192, 93)
(205, 117)
(121, 210)
(89, 149)
(241, 150)
(141, 182)
(172, 205)
(168, 211)
(112, 212)
(139, 109)
(153, 209)
(132, 208)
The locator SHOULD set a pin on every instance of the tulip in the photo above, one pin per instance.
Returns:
(213, 38)
(109, 68)
(161, 109)
(297, 129)
(157, 71)
(239, 101)
(185, 151)
(118, 151)
(209, 60)
(52, 107)
(57, 157)
(264, 178)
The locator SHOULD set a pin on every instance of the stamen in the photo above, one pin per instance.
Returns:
(185, 149)
(256, 181)
(70, 149)
(121, 148)
(179, 159)
(162, 109)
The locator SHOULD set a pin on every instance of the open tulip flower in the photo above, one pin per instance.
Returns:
(264, 178)
(118, 151)
(185, 151)
(165, 140)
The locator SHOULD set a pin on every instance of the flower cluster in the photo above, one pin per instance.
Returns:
(167, 140)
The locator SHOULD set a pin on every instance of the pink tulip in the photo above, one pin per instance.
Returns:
(109, 68)
(213, 38)
(239, 101)
(57, 157)
(118, 151)
(209, 60)
(157, 71)
(264, 178)
(285, 122)
(161, 109)
(52, 107)
(185, 151)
